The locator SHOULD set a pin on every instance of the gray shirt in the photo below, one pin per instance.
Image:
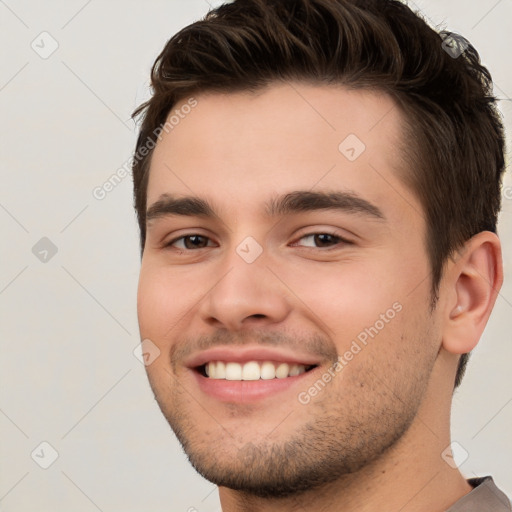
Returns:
(485, 497)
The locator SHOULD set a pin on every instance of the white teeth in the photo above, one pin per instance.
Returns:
(252, 370)
(282, 371)
(233, 371)
(220, 370)
(268, 371)
(215, 370)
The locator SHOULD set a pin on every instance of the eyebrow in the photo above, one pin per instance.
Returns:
(187, 206)
(304, 201)
(293, 202)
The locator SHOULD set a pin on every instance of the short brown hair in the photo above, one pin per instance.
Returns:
(455, 147)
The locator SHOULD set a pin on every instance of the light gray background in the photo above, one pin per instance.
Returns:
(68, 327)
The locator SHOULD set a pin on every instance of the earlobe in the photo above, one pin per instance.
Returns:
(475, 278)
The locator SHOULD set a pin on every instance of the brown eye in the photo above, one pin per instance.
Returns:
(319, 240)
(190, 242)
(325, 240)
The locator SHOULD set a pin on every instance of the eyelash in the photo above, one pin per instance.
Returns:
(339, 240)
(333, 235)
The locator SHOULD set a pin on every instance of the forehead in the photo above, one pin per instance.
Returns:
(241, 148)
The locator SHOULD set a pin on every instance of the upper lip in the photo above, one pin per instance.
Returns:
(250, 353)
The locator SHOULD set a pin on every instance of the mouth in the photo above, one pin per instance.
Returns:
(250, 374)
(252, 370)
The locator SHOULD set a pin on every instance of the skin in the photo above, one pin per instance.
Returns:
(375, 433)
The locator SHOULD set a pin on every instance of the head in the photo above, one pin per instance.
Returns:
(396, 82)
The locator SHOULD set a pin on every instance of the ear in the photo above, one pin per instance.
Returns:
(473, 279)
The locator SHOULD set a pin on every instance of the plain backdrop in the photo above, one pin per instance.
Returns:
(69, 264)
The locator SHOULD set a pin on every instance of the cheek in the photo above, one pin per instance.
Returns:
(368, 307)
(346, 296)
(167, 300)
(158, 310)
(158, 303)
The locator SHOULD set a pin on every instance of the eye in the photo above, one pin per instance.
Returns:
(190, 242)
(319, 240)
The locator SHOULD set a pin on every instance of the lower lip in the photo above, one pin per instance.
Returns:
(245, 391)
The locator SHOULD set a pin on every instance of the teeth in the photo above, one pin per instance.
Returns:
(294, 370)
(233, 371)
(252, 370)
(268, 371)
(220, 370)
(282, 371)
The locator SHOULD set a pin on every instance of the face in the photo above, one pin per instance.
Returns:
(286, 285)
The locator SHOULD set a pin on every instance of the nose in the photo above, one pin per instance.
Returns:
(247, 295)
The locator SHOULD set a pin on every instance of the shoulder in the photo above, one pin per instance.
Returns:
(485, 496)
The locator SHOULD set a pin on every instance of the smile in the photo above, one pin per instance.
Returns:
(252, 370)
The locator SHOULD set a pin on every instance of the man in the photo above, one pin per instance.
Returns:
(317, 184)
